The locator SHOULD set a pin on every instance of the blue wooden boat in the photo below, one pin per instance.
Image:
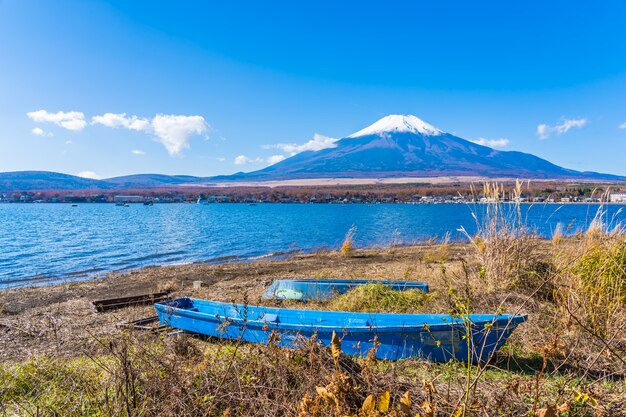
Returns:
(437, 337)
(308, 289)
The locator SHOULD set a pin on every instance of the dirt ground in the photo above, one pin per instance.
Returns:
(60, 319)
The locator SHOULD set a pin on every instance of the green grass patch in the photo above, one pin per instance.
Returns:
(377, 297)
(49, 386)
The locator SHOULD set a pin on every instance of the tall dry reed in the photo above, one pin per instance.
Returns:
(507, 249)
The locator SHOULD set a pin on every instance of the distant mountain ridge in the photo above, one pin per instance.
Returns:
(46, 180)
(395, 146)
(406, 146)
(151, 180)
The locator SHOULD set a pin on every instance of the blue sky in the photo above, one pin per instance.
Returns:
(206, 88)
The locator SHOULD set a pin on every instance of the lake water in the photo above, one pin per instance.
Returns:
(46, 243)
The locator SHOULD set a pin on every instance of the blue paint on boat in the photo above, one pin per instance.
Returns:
(437, 337)
(308, 289)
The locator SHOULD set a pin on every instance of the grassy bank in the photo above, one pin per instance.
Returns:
(185, 376)
(569, 359)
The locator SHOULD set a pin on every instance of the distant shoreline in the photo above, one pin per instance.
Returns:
(330, 190)
(319, 202)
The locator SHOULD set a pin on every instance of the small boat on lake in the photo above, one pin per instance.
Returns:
(309, 289)
(437, 337)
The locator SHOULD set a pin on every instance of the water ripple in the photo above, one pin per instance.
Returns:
(49, 243)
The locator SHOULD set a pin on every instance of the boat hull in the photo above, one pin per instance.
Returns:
(324, 289)
(434, 337)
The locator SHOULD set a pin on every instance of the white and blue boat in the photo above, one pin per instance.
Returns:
(436, 337)
(311, 289)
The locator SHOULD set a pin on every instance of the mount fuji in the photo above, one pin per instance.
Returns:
(406, 146)
(396, 146)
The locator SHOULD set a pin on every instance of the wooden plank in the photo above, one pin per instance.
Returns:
(144, 324)
(121, 302)
(140, 323)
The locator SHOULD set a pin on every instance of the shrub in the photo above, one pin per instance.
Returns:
(595, 282)
(347, 247)
(590, 298)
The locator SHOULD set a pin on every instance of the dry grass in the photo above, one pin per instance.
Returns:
(590, 299)
(557, 235)
(574, 291)
(508, 251)
(595, 282)
(569, 359)
(168, 286)
(135, 375)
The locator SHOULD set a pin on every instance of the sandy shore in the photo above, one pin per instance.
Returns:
(60, 319)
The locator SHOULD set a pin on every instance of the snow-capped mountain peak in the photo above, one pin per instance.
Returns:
(398, 123)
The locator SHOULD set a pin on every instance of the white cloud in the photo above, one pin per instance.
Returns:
(174, 131)
(492, 143)
(73, 120)
(89, 174)
(171, 130)
(544, 131)
(137, 152)
(40, 132)
(318, 143)
(68, 142)
(243, 160)
(121, 120)
(221, 159)
(274, 159)
(622, 126)
(110, 120)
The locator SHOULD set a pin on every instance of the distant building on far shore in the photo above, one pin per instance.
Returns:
(617, 198)
(219, 199)
(128, 199)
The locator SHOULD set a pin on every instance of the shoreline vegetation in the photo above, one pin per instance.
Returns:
(60, 357)
(425, 191)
